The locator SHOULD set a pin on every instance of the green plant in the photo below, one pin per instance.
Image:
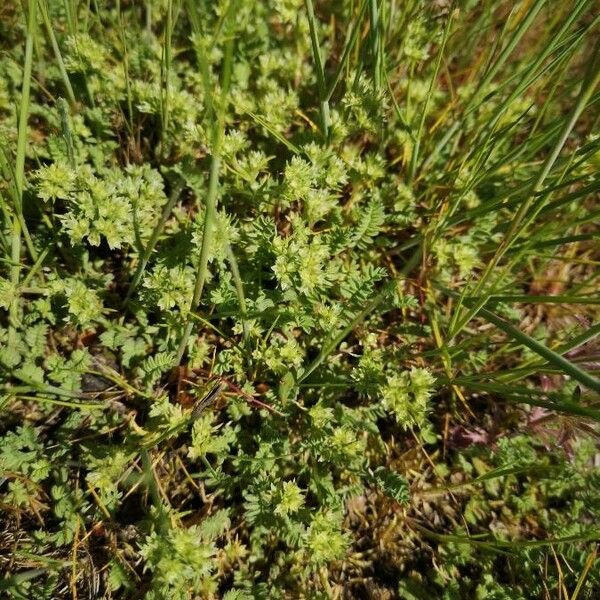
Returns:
(299, 299)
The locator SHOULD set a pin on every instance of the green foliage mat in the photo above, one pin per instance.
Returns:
(299, 299)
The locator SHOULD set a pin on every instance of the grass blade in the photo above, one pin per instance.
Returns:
(316, 50)
(553, 358)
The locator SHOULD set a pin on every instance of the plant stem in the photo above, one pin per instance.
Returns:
(376, 50)
(57, 53)
(20, 170)
(165, 74)
(215, 165)
(415, 153)
(323, 99)
(168, 208)
(239, 288)
(209, 217)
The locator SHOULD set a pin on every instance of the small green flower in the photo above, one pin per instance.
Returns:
(406, 396)
(291, 499)
(281, 354)
(83, 303)
(320, 415)
(55, 181)
(84, 54)
(416, 46)
(170, 287)
(298, 179)
(206, 439)
(324, 539)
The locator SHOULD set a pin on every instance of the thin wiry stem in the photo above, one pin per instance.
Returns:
(166, 73)
(239, 288)
(376, 49)
(348, 47)
(215, 165)
(57, 54)
(209, 218)
(20, 168)
(323, 99)
(168, 208)
(415, 153)
(126, 67)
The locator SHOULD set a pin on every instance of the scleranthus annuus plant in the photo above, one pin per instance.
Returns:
(299, 299)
